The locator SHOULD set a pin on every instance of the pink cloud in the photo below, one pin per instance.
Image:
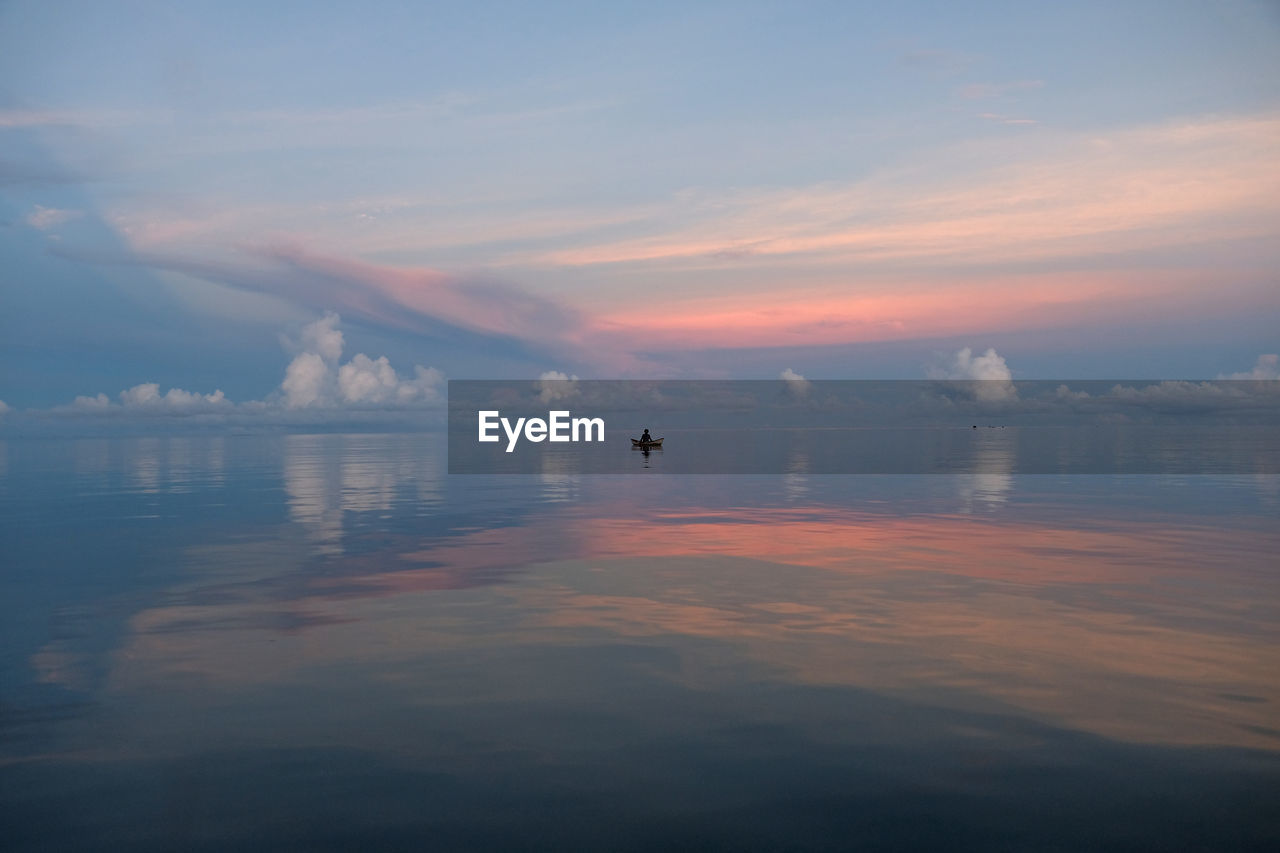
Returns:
(920, 252)
(1134, 190)
(398, 297)
(944, 308)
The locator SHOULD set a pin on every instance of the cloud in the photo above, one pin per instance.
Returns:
(45, 218)
(310, 380)
(323, 337)
(1177, 399)
(305, 381)
(796, 383)
(314, 381)
(556, 385)
(1138, 189)
(417, 299)
(98, 402)
(480, 306)
(146, 398)
(1267, 367)
(1059, 226)
(364, 380)
(148, 394)
(4, 408)
(994, 379)
(963, 365)
(877, 311)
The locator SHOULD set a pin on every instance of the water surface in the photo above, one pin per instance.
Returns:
(326, 642)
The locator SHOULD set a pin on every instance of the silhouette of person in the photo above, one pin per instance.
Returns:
(646, 436)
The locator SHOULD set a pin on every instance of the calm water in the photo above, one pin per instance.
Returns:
(325, 642)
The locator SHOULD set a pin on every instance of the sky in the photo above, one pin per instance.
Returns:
(248, 202)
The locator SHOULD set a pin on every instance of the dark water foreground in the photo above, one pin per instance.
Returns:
(327, 643)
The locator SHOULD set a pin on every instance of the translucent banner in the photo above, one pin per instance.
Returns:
(864, 427)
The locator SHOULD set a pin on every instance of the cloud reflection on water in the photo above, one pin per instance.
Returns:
(282, 621)
(1133, 625)
(326, 476)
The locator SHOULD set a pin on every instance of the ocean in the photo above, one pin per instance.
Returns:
(328, 642)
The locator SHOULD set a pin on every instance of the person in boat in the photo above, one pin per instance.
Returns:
(646, 437)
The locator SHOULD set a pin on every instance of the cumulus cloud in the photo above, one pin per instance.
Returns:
(363, 379)
(94, 403)
(796, 383)
(996, 380)
(367, 380)
(989, 365)
(556, 385)
(308, 380)
(45, 218)
(324, 338)
(1267, 367)
(315, 379)
(305, 381)
(146, 397)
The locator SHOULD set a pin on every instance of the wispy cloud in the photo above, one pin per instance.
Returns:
(367, 225)
(411, 298)
(937, 247)
(45, 218)
(1130, 190)
(989, 202)
(889, 310)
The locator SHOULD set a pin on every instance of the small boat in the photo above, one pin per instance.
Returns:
(654, 442)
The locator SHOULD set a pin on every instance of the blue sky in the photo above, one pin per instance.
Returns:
(629, 190)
